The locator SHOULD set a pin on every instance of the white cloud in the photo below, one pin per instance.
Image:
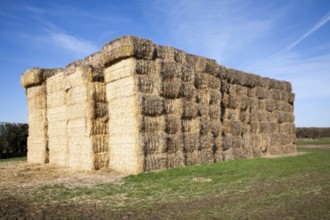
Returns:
(77, 46)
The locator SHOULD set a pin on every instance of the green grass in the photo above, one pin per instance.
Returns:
(295, 187)
(2, 160)
(317, 141)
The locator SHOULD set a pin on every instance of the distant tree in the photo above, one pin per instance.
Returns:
(13, 139)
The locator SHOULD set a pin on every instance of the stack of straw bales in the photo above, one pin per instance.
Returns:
(136, 106)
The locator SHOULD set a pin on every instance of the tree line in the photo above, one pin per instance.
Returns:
(13, 139)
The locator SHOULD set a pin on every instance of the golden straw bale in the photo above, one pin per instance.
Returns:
(190, 109)
(155, 162)
(166, 53)
(203, 96)
(173, 106)
(187, 91)
(217, 148)
(170, 70)
(261, 93)
(206, 141)
(100, 143)
(215, 127)
(215, 111)
(154, 142)
(145, 84)
(204, 125)
(152, 105)
(192, 158)
(145, 67)
(206, 155)
(151, 124)
(120, 70)
(101, 160)
(214, 83)
(100, 126)
(173, 124)
(192, 125)
(215, 97)
(191, 141)
(188, 74)
(201, 80)
(127, 46)
(174, 142)
(171, 88)
(175, 159)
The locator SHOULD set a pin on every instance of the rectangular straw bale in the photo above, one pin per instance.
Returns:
(37, 102)
(203, 96)
(145, 84)
(171, 88)
(261, 93)
(151, 124)
(217, 149)
(100, 109)
(100, 126)
(192, 125)
(172, 124)
(34, 91)
(284, 96)
(154, 142)
(101, 160)
(192, 158)
(215, 127)
(120, 70)
(187, 91)
(227, 127)
(214, 82)
(206, 156)
(188, 74)
(58, 153)
(228, 154)
(284, 116)
(145, 67)
(203, 110)
(233, 102)
(100, 143)
(291, 98)
(190, 109)
(127, 47)
(227, 142)
(57, 128)
(57, 113)
(155, 162)
(191, 141)
(244, 117)
(252, 92)
(166, 53)
(233, 88)
(204, 125)
(224, 86)
(206, 141)
(271, 105)
(175, 159)
(215, 97)
(275, 94)
(170, 70)
(31, 77)
(264, 127)
(173, 106)
(287, 128)
(174, 142)
(215, 111)
(201, 80)
(242, 90)
(152, 105)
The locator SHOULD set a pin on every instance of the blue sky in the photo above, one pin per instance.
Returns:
(282, 39)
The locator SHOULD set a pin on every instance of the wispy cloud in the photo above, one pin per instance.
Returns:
(317, 26)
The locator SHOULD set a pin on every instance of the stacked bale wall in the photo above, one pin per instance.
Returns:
(136, 106)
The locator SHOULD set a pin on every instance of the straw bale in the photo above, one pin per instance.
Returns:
(100, 110)
(242, 90)
(275, 94)
(170, 70)
(180, 57)
(37, 149)
(166, 53)
(202, 80)
(261, 93)
(173, 106)
(244, 117)
(155, 162)
(122, 69)
(264, 127)
(227, 154)
(145, 67)
(227, 142)
(236, 127)
(204, 125)
(190, 110)
(274, 126)
(287, 128)
(206, 156)
(255, 140)
(34, 91)
(215, 127)
(145, 84)
(101, 160)
(174, 142)
(252, 92)
(187, 91)
(227, 126)
(239, 153)
(37, 102)
(232, 114)
(215, 97)
(262, 104)
(188, 74)
(224, 86)
(173, 124)
(175, 159)
(75, 111)
(171, 88)
(57, 113)
(192, 158)
(100, 126)
(214, 83)
(284, 116)
(284, 96)
(192, 125)
(191, 141)
(254, 127)
(100, 143)
(270, 105)
(217, 149)
(125, 47)
(215, 112)
(57, 128)
(265, 82)
(36, 76)
(152, 105)
(244, 102)
(291, 98)
(154, 142)
(203, 96)
(151, 124)
(233, 102)
(206, 141)
(99, 92)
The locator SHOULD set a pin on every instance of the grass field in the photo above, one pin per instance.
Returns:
(317, 141)
(294, 187)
